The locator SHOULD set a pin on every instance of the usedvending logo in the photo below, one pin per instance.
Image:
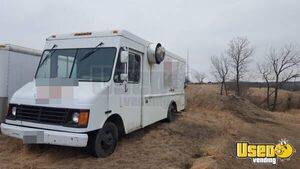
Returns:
(265, 153)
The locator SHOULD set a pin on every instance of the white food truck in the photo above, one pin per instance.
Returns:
(90, 88)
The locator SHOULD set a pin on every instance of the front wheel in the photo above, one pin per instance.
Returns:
(103, 142)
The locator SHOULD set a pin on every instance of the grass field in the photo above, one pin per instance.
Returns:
(286, 99)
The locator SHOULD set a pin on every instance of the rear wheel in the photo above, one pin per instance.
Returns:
(103, 142)
(171, 113)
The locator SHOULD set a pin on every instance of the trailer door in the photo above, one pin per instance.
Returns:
(128, 94)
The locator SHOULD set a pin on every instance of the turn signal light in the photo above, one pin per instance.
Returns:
(83, 118)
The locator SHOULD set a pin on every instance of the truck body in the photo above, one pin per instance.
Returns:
(17, 67)
(92, 87)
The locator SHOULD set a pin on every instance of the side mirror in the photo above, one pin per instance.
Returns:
(124, 56)
(124, 76)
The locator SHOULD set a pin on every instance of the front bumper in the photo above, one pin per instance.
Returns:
(42, 136)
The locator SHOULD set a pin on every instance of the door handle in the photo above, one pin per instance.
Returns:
(125, 86)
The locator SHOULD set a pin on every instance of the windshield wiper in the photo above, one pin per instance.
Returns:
(91, 52)
(50, 53)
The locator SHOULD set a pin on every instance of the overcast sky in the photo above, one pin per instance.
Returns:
(203, 26)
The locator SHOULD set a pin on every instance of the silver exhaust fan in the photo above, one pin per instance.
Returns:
(156, 53)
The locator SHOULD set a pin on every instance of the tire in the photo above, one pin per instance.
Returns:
(103, 142)
(171, 113)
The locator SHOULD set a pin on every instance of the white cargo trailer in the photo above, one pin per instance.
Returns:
(17, 67)
(92, 87)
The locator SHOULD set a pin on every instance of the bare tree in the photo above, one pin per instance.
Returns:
(220, 69)
(265, 70)
(239, 52)
(284, 63)
(199, 76)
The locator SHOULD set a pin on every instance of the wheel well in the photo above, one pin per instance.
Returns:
(117, 120)
(173, 103)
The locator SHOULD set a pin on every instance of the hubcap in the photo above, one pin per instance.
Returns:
(107, 140)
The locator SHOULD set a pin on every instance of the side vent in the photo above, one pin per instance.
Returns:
(156, 53)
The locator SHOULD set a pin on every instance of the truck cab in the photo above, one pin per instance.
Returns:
(92, 87)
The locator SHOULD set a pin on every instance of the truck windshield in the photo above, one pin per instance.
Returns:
(83, 64)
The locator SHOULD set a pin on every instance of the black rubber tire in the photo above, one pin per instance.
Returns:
(171, 113)
(103, 142)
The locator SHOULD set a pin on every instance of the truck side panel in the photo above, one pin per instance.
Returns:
(21, 70)
(163, 83)
(3, 83)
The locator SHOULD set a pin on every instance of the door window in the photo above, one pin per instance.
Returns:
(134, 68)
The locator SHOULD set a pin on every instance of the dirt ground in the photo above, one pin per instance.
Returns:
(204, 136)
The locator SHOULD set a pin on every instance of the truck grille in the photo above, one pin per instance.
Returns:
(45, 115)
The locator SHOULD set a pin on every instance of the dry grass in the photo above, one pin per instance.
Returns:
(286, 99)
(204, 96)
(238, 119)
(202, 137)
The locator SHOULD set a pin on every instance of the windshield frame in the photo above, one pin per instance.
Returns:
(75, 58)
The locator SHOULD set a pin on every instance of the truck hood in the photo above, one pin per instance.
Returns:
(84, 95)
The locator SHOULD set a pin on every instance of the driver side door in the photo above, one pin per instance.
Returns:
(127, 93)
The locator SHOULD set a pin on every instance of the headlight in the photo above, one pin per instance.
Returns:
(75, 117)
(14, 111)
(78, 118)
(11, 112)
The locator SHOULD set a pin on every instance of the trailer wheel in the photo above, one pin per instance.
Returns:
(103, 142)
(171, 113)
